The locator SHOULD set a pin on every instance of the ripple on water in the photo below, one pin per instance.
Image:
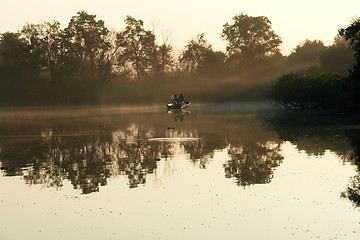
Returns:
(175, 139)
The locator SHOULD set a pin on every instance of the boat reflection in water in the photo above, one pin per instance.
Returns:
(178, 114)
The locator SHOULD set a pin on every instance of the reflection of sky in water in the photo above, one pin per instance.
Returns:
(139, 189)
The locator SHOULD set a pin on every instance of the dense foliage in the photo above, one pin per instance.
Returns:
(332, 91)
(86, 63)
(251, 36)
(315, 91)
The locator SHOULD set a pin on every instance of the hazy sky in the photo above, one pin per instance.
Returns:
(293, 21)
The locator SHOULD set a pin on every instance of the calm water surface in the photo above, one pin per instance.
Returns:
(244, 171)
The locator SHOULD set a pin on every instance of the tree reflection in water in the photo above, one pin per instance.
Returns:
(316, 132)
(198, 153)
(84, 161)
(89, 152)
(252, 164)
(88, 161)
(134, 156)
(353, 190)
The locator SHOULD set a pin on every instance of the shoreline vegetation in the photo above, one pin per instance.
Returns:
(87, 64)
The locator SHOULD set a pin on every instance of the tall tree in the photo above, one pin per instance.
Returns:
(163, 60)
(85, 42)
(19, 70)
(250, 36)
(198, 56)
(352, 35)
(137, 47)
(16, 60)
(44, 40)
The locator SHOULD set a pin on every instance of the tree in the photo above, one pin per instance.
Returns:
(137, 47)
(338, 57)
(198, 56)
(16, 60)
(163, 60)
(253, 37)
(328, 90)
(85, 43)
(214, 62)
(19, 70)
(44, 40)
(306, 56)
(352, 35)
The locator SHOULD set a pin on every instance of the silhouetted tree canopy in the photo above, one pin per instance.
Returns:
(15, 57)
(137, 47)
(250, 36)
(317, 91)
(306, 55)
(164, 60)
(44, 40)
(85, 44)
(86, 63)
(19, 71)
(338, 57)
(352, 34)
(198, 56)
(332, 91)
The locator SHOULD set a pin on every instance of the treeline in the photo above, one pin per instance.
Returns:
(87, 63)
(327, 90)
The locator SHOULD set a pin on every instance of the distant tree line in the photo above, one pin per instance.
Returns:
(87, 63)
(312, 88)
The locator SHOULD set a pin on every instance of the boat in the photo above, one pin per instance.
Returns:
(182, 105)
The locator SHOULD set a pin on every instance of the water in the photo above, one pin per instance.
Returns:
(234, 172)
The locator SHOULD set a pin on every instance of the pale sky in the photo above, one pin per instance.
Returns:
(293, 21)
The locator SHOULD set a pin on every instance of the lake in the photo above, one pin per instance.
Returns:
(235, 171)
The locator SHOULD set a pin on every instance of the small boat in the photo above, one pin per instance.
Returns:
(183, 105)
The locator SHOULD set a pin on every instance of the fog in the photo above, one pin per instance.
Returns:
(85, 63)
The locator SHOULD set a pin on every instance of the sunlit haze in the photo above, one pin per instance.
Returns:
(293, 21)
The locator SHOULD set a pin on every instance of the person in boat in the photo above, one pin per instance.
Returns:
(181, 98)
(175, 100)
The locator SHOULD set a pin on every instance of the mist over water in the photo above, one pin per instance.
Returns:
(85, 63)
(146, 173)
(89, 150)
